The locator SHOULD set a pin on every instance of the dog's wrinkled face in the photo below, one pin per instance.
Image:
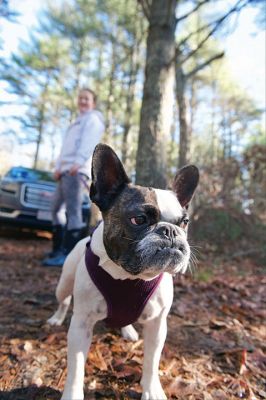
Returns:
(144, 228)
(144, 231)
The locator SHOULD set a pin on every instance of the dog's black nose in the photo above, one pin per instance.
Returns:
(167, 231)
(170, 232)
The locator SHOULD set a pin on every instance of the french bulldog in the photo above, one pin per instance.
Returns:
(138, 247)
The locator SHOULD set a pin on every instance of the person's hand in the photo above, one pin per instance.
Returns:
(57, 175)
(74, 169)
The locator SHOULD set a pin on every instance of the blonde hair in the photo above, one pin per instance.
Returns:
(94, 95)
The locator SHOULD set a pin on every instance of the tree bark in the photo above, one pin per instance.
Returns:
(41, 120)
(157, 103)
(134, 67)
(184, 131)
(109, 107)
(185, 127)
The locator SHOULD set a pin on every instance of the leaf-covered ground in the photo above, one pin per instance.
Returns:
(215, 347)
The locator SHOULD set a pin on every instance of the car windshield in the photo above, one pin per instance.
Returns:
(22, 173)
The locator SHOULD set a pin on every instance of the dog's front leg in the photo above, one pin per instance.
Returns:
(79, 340)
(155, 332)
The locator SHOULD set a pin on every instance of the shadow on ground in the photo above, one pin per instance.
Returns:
(31, 393)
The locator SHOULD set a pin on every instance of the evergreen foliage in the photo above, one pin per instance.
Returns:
(102, 45)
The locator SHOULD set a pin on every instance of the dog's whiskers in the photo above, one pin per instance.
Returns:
(193, 261)
(194, 246)
(195, 251)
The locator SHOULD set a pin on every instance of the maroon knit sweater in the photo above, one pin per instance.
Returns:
(126, 298)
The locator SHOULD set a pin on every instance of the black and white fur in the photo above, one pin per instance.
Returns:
(143, 233)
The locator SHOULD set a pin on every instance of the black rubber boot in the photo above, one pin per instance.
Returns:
(57, 242)
(71, 238)
(58, 236)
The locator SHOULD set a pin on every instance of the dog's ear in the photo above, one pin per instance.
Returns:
(185, 183)
(108, 176)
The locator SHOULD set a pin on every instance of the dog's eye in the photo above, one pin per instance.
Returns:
(138, 220)
(184, 223)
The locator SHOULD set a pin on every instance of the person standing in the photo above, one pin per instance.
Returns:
(72, 167)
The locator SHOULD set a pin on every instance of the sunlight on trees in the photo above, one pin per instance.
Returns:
(102, 44)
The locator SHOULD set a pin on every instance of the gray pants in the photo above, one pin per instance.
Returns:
(68, 193)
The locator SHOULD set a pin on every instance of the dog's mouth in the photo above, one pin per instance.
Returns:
(150, 258)
(178, 250)
(168, 256)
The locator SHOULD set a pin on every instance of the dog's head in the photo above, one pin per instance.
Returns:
(145, 229)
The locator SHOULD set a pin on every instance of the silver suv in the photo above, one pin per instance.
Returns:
(25, 198)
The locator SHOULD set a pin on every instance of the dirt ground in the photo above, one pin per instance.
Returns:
(215, 347)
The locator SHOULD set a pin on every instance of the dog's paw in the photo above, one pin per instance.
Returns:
(60, 314)
(153, 391)
(70, 395)
(130, 333)
(55, 320)
(153, 395)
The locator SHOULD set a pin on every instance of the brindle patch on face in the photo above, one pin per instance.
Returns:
(122, 235)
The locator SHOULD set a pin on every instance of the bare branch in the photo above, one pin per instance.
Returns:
(237, 7)
(146, 7)
(204, 64)
(202, 28)
(200, 4)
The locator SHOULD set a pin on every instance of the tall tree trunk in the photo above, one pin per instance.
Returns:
(213, 156)
(134, 68)
(38, 143)
(184, 125)
(157, 102)
(41, 119)
(184, 131)
(110, 100)
(99, 78)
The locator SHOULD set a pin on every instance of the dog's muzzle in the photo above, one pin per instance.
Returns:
(170, 233)
(165, 249)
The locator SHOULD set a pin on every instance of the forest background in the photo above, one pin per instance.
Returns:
(165, 87)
